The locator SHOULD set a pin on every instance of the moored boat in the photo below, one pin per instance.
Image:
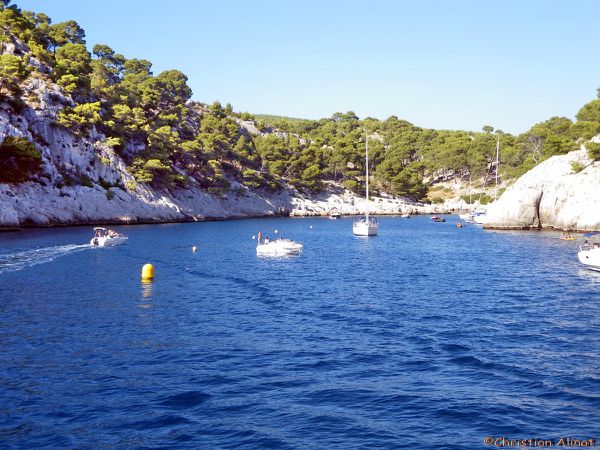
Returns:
(334, 214)
(366, 226)
(438, 219)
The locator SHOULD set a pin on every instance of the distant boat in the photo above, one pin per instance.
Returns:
(334, 214)
(459, 225)
(107, 238)
(366, 226)
(479, 216)
(405, 216)
(438, 219)
(568, 237)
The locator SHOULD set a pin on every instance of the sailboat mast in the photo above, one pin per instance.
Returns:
(470, 195)
(367, 163)
(497, 162)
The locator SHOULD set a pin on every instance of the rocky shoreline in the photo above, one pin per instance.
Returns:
(32, 205)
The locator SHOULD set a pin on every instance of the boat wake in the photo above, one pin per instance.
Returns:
(11, 262)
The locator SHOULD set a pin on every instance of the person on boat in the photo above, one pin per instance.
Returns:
(260, 237)
(267, 240)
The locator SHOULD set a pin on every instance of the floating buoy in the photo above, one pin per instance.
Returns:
(147, 272)
(310, 226)
(253, 237)
(194, 249)
(275, 231)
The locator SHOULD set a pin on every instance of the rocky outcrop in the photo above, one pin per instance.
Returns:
(552, 195)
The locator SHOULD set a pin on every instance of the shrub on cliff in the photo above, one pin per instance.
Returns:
(13, 69)
(593, 149)
(81, 117)
(19, 160)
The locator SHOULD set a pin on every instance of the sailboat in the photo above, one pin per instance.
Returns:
(366, 226)
(480, 218)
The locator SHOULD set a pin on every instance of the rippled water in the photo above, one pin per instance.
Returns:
(426, 336)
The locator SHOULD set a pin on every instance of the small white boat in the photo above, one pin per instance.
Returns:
(475, 216)
(590, 256)
(334, 214)
(278, 247)
(405, 216)
(107, 238)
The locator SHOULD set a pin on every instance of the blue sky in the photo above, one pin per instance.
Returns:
(439, 64)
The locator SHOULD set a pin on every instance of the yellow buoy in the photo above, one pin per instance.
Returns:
(147, 272)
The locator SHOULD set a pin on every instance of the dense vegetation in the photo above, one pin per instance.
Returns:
(168, 140)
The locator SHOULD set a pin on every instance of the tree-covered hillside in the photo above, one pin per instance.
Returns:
(167, 140)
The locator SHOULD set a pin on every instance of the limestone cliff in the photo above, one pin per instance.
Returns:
(552, 195)
(83, 180)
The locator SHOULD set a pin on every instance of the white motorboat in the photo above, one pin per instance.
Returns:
(366, 226)
(590, 256)
(475, 216)
(405, 216)
(334, 214)
(278, 247)
(107, 238)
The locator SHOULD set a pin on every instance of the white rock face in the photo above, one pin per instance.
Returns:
(551, 195)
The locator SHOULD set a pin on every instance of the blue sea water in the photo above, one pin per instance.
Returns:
(426, 336)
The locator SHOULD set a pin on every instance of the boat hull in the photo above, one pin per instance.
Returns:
(365, 229)
(106, 241)
(590, 258)
(281, 247)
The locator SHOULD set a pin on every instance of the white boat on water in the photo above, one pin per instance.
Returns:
(107, 238)
(475, 216)
(366, 226)
(278, 247)
(589, 255)
(405, 216)
(334, 214)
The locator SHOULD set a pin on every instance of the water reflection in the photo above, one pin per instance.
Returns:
(146, 294)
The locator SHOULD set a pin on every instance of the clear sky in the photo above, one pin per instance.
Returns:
(448, 64)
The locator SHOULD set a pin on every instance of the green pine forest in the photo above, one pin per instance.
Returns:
(168, 141)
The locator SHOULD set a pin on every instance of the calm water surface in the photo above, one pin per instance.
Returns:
(426, 336)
